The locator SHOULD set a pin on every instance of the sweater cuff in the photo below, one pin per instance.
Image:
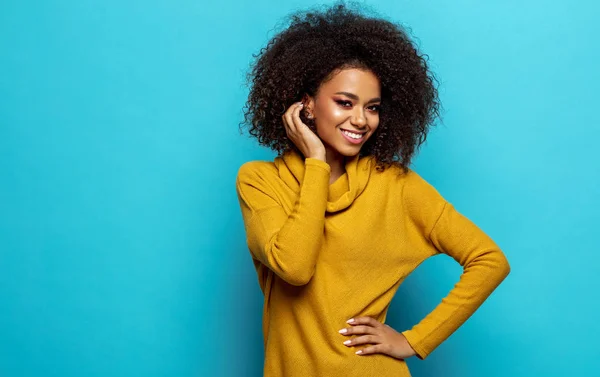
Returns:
(316, 162)
(413, 340)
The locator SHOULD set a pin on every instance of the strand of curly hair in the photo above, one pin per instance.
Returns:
(314, 45)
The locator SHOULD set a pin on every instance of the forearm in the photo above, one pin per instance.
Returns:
(289, 244)
(479, 279)
(484, 267)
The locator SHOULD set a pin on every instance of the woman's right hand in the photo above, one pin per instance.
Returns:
(303, 137)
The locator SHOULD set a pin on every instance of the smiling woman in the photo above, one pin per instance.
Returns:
(338, 220)
(346, 111)
(309, 54)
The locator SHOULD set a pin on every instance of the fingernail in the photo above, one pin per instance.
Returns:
(301, 104)
(343, 331)
(358, 352)
(351, 320)
(347, 342)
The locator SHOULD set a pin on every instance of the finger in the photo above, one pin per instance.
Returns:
(296, 117)
(286, 121)
(358, 330)
(365, 339)
(285, 125)
(288, 118)
(378, 348)
(370, 321)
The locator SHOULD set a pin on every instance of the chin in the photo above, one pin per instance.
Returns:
(348, 151)
(351, 153)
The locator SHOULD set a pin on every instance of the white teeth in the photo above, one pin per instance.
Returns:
(352, 134)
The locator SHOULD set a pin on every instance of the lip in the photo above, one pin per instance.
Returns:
(351, 140)
(356, 132)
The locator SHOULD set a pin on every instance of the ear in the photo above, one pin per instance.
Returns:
(309, 103)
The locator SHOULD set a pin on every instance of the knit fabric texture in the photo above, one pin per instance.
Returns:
(325, 253)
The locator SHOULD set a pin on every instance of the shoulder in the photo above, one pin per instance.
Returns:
(418, 196)
(415, 184)
(408, 180)
(256, 184)
(253, 172)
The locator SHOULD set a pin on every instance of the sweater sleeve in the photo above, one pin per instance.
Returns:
(287, 245)
(484, 266)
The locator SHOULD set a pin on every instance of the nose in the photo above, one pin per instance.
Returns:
(358, 118)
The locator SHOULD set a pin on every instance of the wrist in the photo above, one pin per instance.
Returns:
(318, 157)
(408, 346)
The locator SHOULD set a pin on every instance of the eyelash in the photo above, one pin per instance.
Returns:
(342, 103)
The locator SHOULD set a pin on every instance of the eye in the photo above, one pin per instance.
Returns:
(344, 103)
(375, 108)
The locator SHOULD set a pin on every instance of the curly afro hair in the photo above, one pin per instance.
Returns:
(317, 43)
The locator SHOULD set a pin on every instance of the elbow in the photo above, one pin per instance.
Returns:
(293, 271)
(294, 268)
(496, 264)
(505, 267)
(300, 277)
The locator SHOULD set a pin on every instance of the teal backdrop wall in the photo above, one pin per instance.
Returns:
(122, 250)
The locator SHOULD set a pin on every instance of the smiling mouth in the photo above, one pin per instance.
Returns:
(354, 132)
(353, 137)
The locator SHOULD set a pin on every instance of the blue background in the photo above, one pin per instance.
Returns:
(122, 250)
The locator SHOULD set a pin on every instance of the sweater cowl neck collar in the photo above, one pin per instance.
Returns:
(342, 192)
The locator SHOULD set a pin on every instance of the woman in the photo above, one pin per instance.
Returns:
(338, 220)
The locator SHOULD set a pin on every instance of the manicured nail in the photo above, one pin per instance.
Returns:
(300, 104)
(358, 352)
(343, 331)
(351, 320)
(347, 342)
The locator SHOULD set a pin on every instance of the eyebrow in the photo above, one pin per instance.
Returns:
(355, 97)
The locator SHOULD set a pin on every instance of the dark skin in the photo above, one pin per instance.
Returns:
(348, 101)
(303, 56)
(382, 338)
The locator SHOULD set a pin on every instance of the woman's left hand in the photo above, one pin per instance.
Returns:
(384, 339)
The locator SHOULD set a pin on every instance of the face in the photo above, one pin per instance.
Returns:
(346, 110)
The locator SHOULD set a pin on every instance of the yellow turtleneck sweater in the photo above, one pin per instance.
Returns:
(325, 253)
